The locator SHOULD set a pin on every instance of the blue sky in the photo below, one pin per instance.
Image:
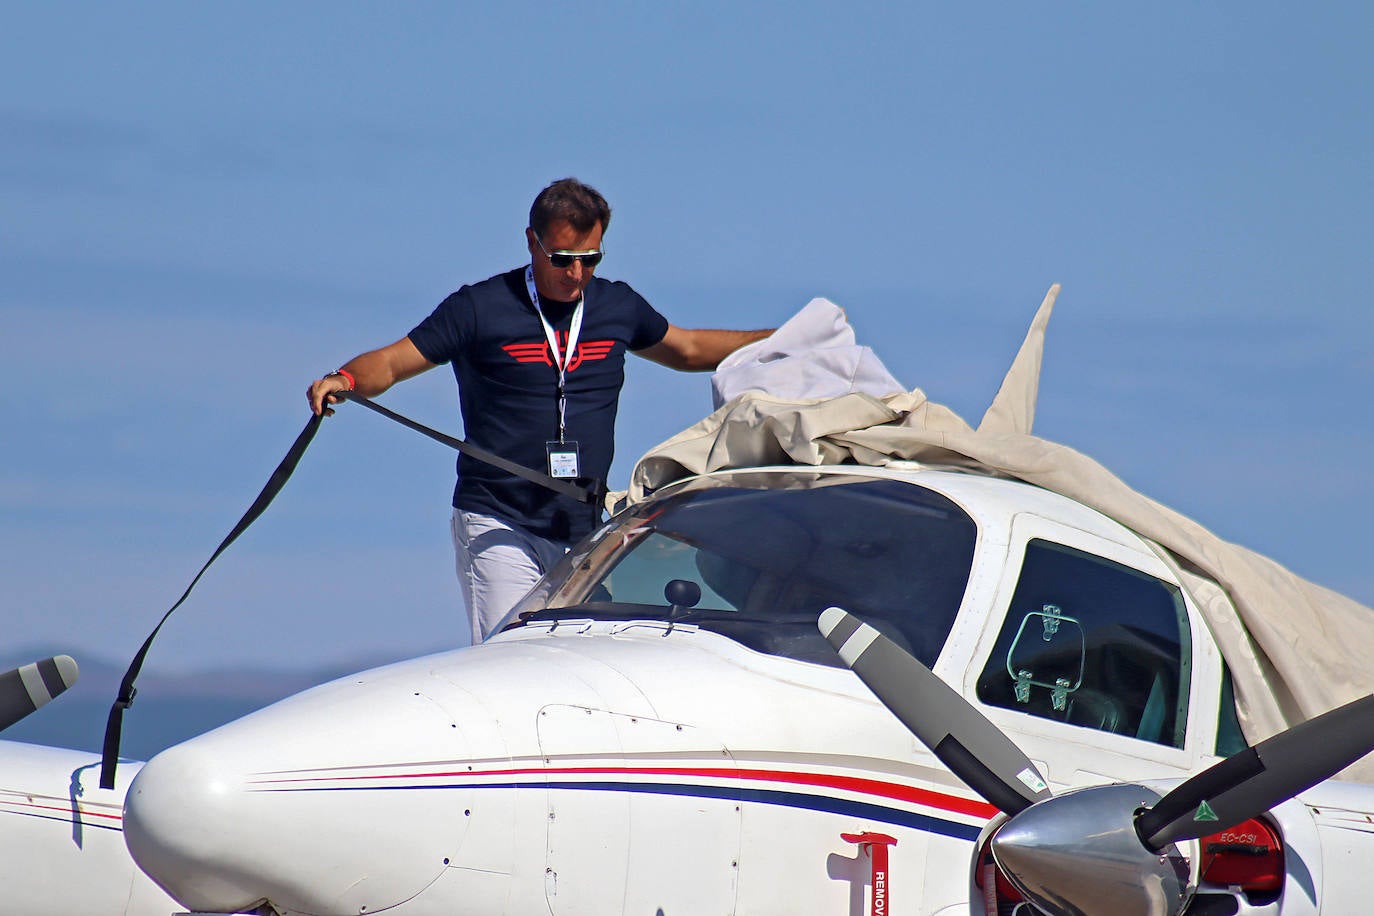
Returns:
(203, 207)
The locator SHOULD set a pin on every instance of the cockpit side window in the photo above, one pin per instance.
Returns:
(1230, 739)
(1093, 643)
(758, 559)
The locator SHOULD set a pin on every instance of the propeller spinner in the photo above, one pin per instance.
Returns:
(1104, 848)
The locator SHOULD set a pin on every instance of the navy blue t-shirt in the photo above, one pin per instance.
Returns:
(508, 389)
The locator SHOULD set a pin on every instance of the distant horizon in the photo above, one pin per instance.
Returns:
(170, 706)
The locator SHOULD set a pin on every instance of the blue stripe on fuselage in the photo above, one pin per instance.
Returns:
(64, 819)
(827, 804)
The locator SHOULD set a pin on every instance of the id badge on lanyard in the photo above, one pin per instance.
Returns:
(563, 456)
(564, 460)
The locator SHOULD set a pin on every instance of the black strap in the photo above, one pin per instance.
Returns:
(590, 491)
(114, 725)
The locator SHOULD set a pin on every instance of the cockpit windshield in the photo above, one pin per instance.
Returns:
(757, 556)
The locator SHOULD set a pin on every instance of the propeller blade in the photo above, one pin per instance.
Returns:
(24, 689)
(1257, 779)
(968, 743)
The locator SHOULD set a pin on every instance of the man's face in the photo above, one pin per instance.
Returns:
(563, 284)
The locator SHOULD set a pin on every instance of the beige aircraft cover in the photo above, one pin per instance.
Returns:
(1295, 649)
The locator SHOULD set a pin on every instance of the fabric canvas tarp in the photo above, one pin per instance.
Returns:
(1295, 649)
(813, 355)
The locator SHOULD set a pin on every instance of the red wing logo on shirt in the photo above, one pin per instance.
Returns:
(538, 352)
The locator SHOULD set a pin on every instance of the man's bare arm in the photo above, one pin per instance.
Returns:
(699, 349)
(374, 371)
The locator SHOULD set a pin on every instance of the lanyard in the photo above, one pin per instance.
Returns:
(560, 360)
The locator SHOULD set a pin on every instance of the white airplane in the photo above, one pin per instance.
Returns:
(664, 726)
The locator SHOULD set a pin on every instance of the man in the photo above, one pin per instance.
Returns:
(539, 355)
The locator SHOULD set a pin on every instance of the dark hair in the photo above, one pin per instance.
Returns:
(571, 201)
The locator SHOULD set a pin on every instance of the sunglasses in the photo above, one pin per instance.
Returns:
(564, 259)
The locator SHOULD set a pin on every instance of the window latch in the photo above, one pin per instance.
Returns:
(1023, 685)
(1050, 620)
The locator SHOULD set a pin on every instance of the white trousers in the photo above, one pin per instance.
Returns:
(497, 564)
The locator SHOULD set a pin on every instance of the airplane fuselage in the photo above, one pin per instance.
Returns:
(607, 753)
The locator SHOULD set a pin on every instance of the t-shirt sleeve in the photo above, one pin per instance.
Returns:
(444, 335)
(648, 326)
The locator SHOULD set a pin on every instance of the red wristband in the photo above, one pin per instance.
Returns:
(352, 382)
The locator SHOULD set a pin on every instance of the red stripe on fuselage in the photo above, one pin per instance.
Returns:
(856, 784)
(63, 809)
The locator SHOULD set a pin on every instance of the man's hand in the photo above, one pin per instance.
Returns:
(321, 393)
(369, 374)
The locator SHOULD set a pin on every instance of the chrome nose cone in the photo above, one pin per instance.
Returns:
(1079, 854)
